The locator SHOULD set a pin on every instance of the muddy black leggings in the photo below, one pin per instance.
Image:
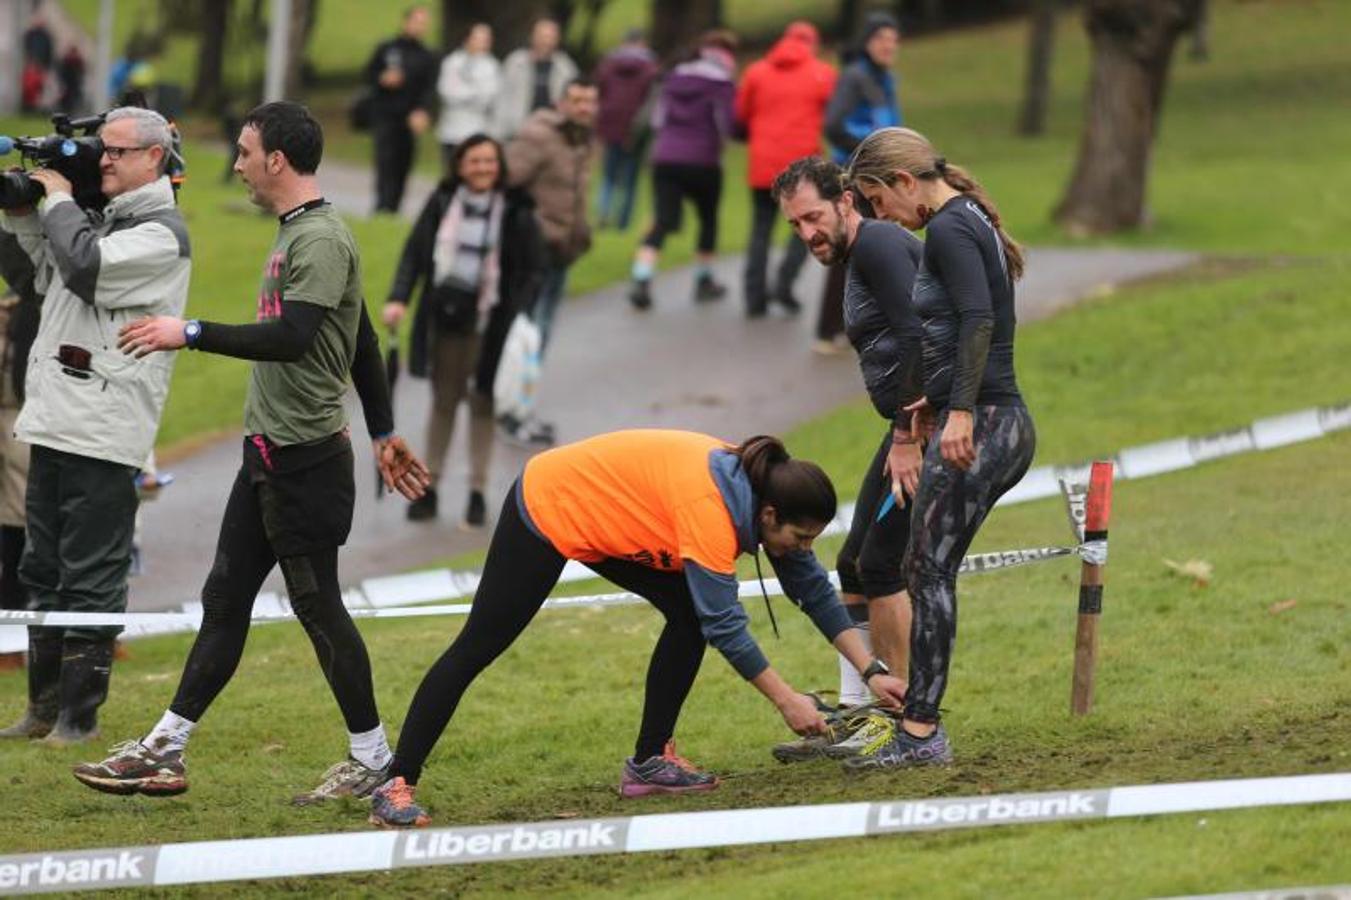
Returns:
(244, 557)
(949, 508)
(870, 562)
(520, 571)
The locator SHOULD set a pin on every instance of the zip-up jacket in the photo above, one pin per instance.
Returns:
(97, 274)
(673, 501)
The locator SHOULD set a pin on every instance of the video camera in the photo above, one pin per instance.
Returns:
(76, 156)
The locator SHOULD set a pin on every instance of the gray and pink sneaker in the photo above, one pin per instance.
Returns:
(665, 774)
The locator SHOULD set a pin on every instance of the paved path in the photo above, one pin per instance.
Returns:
(704, 368)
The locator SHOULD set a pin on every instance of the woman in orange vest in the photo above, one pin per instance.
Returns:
(663, 514)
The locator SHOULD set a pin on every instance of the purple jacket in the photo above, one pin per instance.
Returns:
(694, 114)
(623, 77)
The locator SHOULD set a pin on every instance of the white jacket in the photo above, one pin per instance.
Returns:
(97, 275)
(468, 87)
(518, 88)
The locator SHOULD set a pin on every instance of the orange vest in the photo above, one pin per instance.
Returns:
(643, 495)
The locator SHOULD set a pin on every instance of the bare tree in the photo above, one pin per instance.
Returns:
(1132, 43)
(209, 87)
(1040, 47)
(678, 23)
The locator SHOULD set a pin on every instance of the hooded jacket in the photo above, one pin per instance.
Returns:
(624, 77)
(781, 102)
(551, 158)
(98, 274)
(694, 116)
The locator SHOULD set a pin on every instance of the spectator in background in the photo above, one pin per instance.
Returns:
(624, 78)
(781, 102)
(474, 257)
(468, 85)
(533, 78)
(70, 72)
(864, 101)
(39, 52)
(551, 159)
(402, 71)
(693, 120)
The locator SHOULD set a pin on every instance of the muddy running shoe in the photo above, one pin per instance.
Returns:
(135, 769)
(875, 730)
(392, 806)
(905, 750)
(841, 723)
(348, 778)
(665, 774)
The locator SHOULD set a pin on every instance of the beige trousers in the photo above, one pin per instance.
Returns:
(454, 358)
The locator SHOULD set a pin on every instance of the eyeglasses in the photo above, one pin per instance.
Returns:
(115, 153)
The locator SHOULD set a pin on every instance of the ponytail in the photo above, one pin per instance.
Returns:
(960, 180)
(799, 491)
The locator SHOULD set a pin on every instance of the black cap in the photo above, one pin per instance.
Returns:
(874, 23)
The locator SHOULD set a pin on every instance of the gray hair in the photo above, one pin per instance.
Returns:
(152, 129)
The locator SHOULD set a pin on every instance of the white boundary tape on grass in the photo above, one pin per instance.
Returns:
(1325, 892)
(325, 854)
(272, 608)
(392, 594)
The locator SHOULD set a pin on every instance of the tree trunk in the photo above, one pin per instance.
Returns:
(1040, 44)
(677, 24)
(208, 89)
(297, 39)
(510, 21)
(1200, 45)
(1132, 43)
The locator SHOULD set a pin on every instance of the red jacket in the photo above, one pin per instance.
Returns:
(782, 103)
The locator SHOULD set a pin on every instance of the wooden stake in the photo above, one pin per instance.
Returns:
(1091, 578)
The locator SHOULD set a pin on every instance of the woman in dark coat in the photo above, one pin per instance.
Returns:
(475, 258)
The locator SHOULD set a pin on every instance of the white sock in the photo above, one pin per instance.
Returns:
(170, 735)
(853, 691)
(371, 748)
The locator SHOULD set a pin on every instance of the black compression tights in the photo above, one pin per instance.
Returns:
(520, 571)
(948, 510)
(243, 560)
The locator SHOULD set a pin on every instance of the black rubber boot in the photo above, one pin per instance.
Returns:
(44, 678)
(85, 668)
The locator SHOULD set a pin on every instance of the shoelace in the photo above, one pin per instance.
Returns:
(400, 794)
(127, 748)
(669, 754)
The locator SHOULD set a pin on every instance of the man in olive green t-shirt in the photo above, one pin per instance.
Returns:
(292, 500)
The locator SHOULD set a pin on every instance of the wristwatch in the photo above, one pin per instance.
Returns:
(191, 332)
(876, 667)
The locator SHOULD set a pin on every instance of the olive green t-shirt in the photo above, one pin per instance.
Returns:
(314, 260)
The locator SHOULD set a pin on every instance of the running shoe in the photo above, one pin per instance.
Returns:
(392, 806)
(841, 724)
(876, 729)
(707, 290)
(904, 750)
(348, 778)
(640, 295)
(134, 768)
(665, 774)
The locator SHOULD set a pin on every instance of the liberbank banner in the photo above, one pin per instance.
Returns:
(366, 851)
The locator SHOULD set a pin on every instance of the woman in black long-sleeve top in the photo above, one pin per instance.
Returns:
(476, 256)
(984, 435)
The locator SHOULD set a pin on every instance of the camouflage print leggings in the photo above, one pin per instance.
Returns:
(948, 510)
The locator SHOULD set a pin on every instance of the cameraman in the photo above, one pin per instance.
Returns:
(91, 412)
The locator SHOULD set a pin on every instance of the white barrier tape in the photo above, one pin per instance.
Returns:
(324, 854)
(278, 610)
(1185, 453)
(1325, 892)
(1094, 552)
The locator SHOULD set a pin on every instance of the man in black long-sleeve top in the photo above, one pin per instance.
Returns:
(402, 72)
(292, 500)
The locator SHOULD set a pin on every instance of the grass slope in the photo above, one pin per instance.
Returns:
(1193, 683)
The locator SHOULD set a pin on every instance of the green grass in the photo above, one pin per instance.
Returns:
(1248, 162)
(1193, 683)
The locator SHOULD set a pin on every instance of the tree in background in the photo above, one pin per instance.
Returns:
(1040, 44)
(678, 23)
(1132, 43)
(209, 88)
